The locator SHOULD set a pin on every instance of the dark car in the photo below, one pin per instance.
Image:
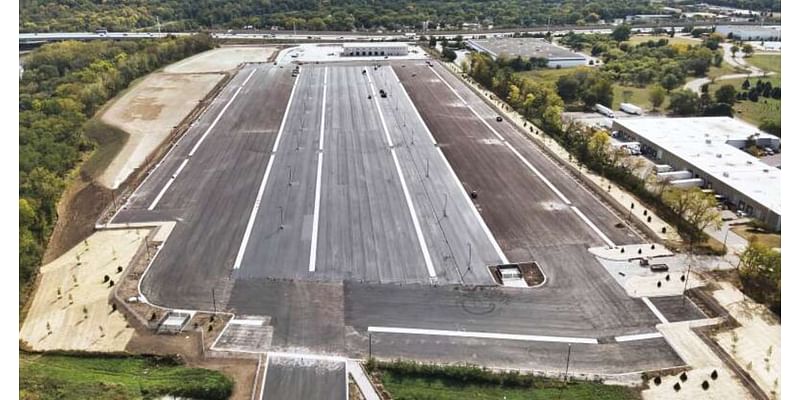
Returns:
(499, 119)
(659, 268)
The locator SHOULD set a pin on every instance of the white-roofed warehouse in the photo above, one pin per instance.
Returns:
(710, 148)
(374, 49)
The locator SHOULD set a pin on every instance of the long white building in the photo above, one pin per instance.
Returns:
(374, 49)
(710, 149)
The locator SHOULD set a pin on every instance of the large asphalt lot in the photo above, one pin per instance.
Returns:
(217, 184)
(529, 219)
(332, 212)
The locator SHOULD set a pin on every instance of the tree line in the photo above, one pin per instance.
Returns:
(690, 211)
(343, 15)
(62, 86)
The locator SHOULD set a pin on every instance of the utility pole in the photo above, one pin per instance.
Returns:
(566, 370)
(444, 209)
(158, 24)
(214, 300)
(469, 256)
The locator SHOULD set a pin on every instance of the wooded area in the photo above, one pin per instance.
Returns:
(344, 15)
(62, 87)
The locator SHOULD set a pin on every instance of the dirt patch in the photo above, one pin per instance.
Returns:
(222, 59)
(148, 113)
(79, 208)
(70, 309)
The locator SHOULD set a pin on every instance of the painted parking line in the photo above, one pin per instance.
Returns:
(423, 245)
(167, 185)
(219, 116)
(249, 229)
(197, 145)
(530, 166)
(502, 139)
(481, 335)
(641, 336)
(655, 311)
(307, 356)
(463, 191)
(312, 261)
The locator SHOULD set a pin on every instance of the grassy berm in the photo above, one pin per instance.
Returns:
(407, 380)
(100, 377)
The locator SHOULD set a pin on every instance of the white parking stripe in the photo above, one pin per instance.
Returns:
(423, 245)
(214, 123)
(641, 336)
(481, 335)
(305, 356)
(502, 139)
(248, 230)
(312, 261)
(593, 226)
(655, 311)
(463, 191)
(167, 185)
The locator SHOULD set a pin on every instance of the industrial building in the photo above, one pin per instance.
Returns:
(374, 49)
(708, 152)
(747, 32)
(527, 48)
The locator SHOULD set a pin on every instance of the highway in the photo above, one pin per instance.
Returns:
(283, 35)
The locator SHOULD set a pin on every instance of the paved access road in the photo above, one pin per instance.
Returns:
(293, 377)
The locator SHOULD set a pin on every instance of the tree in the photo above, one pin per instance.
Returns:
(760, 274)
(699, 209)
(726, 94)
(599, 145)
(746, 84)
(448, 54)
(432, 42)
(670, 81)
(657, 95)
(734, 49)
(621, 33)
(748, 50)
(684, 102)
(568, 87)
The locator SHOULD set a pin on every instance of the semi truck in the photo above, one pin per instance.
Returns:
(604, 110)
(630, 108)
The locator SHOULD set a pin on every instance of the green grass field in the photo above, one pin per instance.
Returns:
(766, 62)
(638, 96)
(753, 112)
(402, 387)
(73, 377)
(723, 69)
(550, 74)
(636, 39)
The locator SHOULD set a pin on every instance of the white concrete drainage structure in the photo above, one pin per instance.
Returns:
(511, 276)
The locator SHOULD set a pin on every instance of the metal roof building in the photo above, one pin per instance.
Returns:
(711, 149)
(374, 49)
(527, 48)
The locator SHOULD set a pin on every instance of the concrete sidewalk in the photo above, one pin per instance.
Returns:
(360, 377)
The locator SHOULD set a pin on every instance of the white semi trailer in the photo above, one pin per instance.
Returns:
(604, 110)
(631, 108)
